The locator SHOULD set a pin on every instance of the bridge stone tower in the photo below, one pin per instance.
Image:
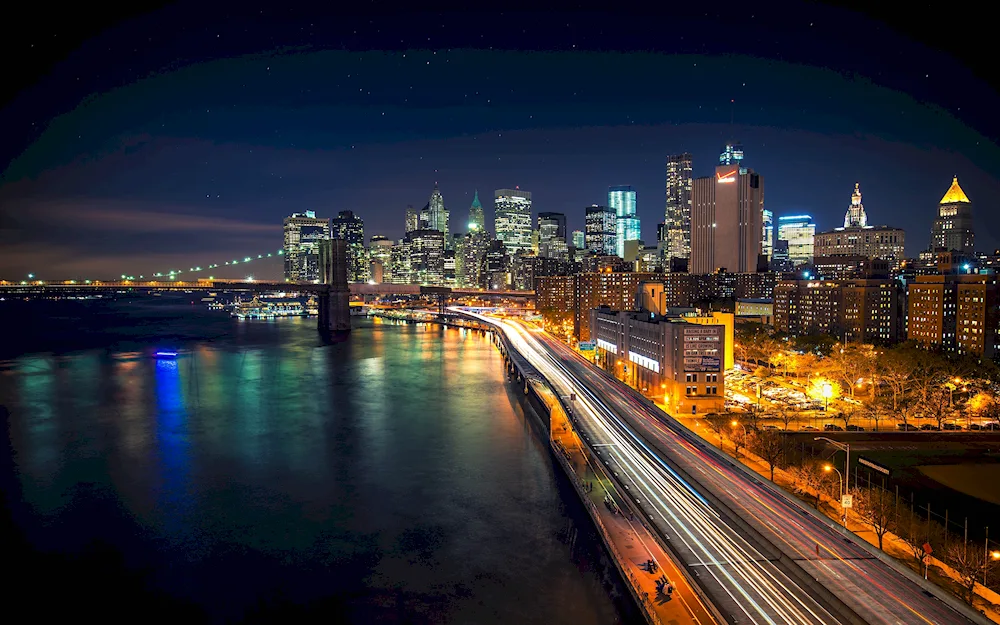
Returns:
(335, 299)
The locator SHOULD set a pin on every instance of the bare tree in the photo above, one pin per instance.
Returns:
(877, 410)
(877, 509)
(738, 435)
(753, 416)
(971, 562)
(810, 479)
(784, 415)
(916, 531)
(719, 423)
(770, 446)
(847, 414)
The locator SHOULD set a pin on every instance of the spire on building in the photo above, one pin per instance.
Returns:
(856, 217)
(475, 200)
(955, 194)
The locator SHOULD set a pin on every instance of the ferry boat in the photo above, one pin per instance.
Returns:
(165, 354)
(269, 309)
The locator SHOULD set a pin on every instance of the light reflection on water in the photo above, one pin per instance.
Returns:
(392, 464)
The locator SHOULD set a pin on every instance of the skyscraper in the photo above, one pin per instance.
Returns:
(601, 230)
(303, 232)
(412, 220)
(351, 228)
(427, 257)
(726, 213)
(952, 228)
(732, 154)
(767, 233)
(380, 257)
(678, 213)
(622, 200)
(436, 215)
(579, 240)
(477, 220)
(513, 219)
(552, 235)
(800, 232)
(856, 217)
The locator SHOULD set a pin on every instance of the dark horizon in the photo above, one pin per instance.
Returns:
(192, 150)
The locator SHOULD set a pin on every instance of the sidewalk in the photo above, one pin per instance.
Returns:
(630, 542)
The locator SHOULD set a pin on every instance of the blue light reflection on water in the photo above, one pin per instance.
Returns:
(172, 448)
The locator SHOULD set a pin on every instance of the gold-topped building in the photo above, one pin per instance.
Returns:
(952, 228)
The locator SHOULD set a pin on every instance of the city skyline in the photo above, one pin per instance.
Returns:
(196, 161)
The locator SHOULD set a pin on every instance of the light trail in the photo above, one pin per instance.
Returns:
(636, 441)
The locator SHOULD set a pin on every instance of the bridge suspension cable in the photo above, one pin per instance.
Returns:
(173, 273)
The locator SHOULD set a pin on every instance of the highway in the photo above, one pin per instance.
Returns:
(760, 556)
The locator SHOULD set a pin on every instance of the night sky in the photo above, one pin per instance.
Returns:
(182, 136)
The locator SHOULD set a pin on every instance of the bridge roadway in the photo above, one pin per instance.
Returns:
(758, 554)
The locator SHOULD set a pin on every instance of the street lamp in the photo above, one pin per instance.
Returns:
(745, 436)
(827, 394)
(843, 515)
(846, 447)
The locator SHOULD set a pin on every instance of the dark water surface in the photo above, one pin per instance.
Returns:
(393, 477)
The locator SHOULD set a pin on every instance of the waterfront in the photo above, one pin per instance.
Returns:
(394, 474)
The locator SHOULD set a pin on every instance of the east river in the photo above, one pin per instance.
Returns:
(392, 477)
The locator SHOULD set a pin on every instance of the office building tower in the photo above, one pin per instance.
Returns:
(477, 219)
(856, 217)
(552, 235)
(558, 219)
(622, 201)
(601, 230)
(427, 257)
(732, 154)
(579, 239)
(678, 213)
(800, 232)
(434, 215)
(412, 219)
(726, 220)
(495, 273)
(767, 234)
(954, 312)
(513, 219)
(380, 258)
(303, 232)
(469, 258)
(349, 227)
(952, 228)
(399, 262)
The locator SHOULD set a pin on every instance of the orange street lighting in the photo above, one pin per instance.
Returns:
(995, 555)
(735, 423)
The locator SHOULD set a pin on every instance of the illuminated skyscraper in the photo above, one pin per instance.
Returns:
(477, 220)
(622, 201)
(678, 213)
(351, 228)
(513, 219)
(435, 216)
(952, 229)
(303, 232)
(579, 239)
(732, 154)
(800, 232)
(552, 235)
(602, 230)
(412, 219)
(856, 217)
(767, 233)
(726, 213)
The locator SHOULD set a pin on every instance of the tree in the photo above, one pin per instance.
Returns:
(810, 479)
(849, 363)
(753, 416)
(847, 414)
(895, 367)
(719, 423)
(915, 530)
(877, 509)
(784, 415)
(738, 435)
(770, 446)
(971, 562)
(877, 410)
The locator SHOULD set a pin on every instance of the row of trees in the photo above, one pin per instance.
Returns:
(904, 380)
(878, 509)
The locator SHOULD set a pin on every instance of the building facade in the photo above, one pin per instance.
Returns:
(513, 219)
(678, 211)
(477, 218)
(767, 234)
(426, 257)
(552, 235)
(800, 232)
(955, 313)
(860, 310)
(434, 215)
(952, 229)
(622, 201)
(726, 211)
(347, 226)
(678, 362)
(602, 230)
(302, 234)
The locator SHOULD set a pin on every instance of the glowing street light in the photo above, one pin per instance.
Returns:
(828, 468)
(827, 394)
